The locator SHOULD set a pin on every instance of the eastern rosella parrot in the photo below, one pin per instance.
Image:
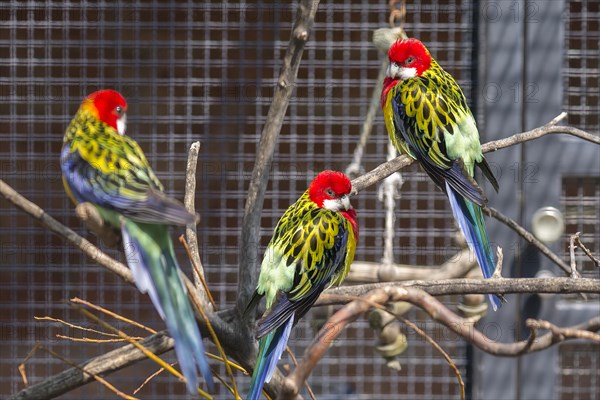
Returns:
(311, 249)
(427, 117)
(102, 166)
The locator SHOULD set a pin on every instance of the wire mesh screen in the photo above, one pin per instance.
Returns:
(207, 71)
(581, 205)
(582, 64)
(578, 372)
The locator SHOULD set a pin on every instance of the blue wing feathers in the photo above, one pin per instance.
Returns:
(150, 205)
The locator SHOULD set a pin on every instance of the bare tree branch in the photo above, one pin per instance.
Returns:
(191, 243)
(260, 175)
(191, 234)
(104, 364)
(53, 225)
(386, 169)
(473, 286)
(371, 272)
(439, 313)
(325, 338)
(528, 236)
(586, 250)
(581, 331)
(538, 133)
(574, 273)
(231, 338)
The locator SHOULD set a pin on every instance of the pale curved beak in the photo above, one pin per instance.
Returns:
(122, 124)
(393, 70)
(346, 202)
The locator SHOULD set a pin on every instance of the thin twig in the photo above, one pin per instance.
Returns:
(498, 270)
(227, 386)
(104, 365)
(86, 303)
(198, 275)
(440, 350)
(53, 225)
(231, 363)
(528, 236)
(216, 340)
(70, 325)
(152, 376)
(90, 340)
(144, 350)
(295, 362)
(564, 333)
(190, 230)
(587, 251)
(574, 273)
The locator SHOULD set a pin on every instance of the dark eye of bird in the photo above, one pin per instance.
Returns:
(409, 60)
(330, 193)
(119, 110)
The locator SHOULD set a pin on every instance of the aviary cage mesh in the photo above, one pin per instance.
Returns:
(582, 64)
(578, 373)
(581, 71)
(206, 71)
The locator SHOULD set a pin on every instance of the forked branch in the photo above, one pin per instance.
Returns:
(439, 313)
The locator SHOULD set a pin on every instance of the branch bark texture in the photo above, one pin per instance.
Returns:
(475, 286)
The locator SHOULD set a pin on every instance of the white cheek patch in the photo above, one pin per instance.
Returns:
(122, 124)
(407, 73)
(333, 205)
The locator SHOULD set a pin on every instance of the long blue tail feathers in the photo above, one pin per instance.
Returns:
(156, 272)
(470, 220)
(188, 341)
(270, 349)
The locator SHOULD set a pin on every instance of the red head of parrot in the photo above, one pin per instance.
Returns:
(109, 106)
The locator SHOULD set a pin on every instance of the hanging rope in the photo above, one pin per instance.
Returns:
(387, 193)
(392, 341)
(397, 14)
(389, 190)
(382, 39)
